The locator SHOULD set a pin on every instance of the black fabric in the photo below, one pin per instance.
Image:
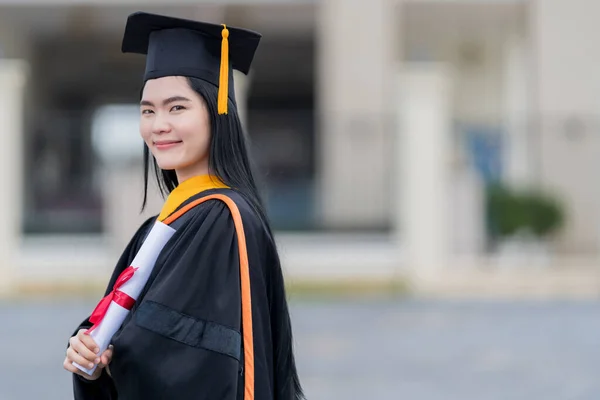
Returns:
(100, 389)
(197, 275)
(189, 330)
(181, 47)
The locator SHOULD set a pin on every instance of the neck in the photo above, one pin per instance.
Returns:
(185, 173)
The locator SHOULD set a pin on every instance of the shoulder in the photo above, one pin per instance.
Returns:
(226, 204)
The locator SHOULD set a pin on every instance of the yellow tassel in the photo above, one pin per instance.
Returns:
(224, 73)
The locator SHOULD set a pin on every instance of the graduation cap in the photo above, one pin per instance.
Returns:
(181, 47)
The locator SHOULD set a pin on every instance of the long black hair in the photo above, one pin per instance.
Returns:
(229, 160)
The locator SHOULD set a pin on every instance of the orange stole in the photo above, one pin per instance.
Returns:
(248, 337)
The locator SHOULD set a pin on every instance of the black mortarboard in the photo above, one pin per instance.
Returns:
(176, 46)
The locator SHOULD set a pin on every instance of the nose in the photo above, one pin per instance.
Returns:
(160, 125)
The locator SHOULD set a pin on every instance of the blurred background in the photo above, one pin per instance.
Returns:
(429, 168)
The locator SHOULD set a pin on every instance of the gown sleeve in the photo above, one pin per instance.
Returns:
(103, 388)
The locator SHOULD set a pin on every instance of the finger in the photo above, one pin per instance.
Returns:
(106, 356)
(86, 353)
(73, 356)
(83, 350)
(68, 365)
(105, 359)
(88, 341)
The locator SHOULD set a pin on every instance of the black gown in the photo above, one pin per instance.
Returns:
(183, 338)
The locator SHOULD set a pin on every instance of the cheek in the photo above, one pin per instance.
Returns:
(197, 135)
(145, 130)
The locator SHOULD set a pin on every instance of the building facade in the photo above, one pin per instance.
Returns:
(376, 125)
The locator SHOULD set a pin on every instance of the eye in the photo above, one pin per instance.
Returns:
(147, 111)
(177, 108)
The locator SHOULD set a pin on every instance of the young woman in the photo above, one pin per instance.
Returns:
(201, 328)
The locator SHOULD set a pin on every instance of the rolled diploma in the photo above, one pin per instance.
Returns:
(144, 261)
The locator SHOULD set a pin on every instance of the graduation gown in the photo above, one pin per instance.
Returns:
(188, 335)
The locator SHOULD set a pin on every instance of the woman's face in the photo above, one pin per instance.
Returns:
(175, 125)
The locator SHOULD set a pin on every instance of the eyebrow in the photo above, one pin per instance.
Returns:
(165, 102)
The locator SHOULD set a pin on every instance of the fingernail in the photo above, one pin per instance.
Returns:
(96, 350)
(90, 365)
(97, 360)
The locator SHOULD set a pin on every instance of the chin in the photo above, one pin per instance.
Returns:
(168, 164)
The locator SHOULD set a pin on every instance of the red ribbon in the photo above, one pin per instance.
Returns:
(121, 298)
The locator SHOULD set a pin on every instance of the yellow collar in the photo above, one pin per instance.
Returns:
(187, 189)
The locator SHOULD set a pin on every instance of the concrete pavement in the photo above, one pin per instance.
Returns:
(368, 349)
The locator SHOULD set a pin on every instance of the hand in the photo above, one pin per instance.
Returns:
(84, 351)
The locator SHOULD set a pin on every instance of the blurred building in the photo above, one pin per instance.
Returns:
(376, 124)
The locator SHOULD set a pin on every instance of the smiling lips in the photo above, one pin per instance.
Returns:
(166, 144)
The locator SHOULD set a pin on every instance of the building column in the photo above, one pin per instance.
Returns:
(355, 70)
(242, 88)
(566, 64)
(123, 187)
(423, 164)
(518, 155)
(13, 75)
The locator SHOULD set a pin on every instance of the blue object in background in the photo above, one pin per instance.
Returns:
(484, 146)
(290, 204)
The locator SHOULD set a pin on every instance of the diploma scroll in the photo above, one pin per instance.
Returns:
(112, 309)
